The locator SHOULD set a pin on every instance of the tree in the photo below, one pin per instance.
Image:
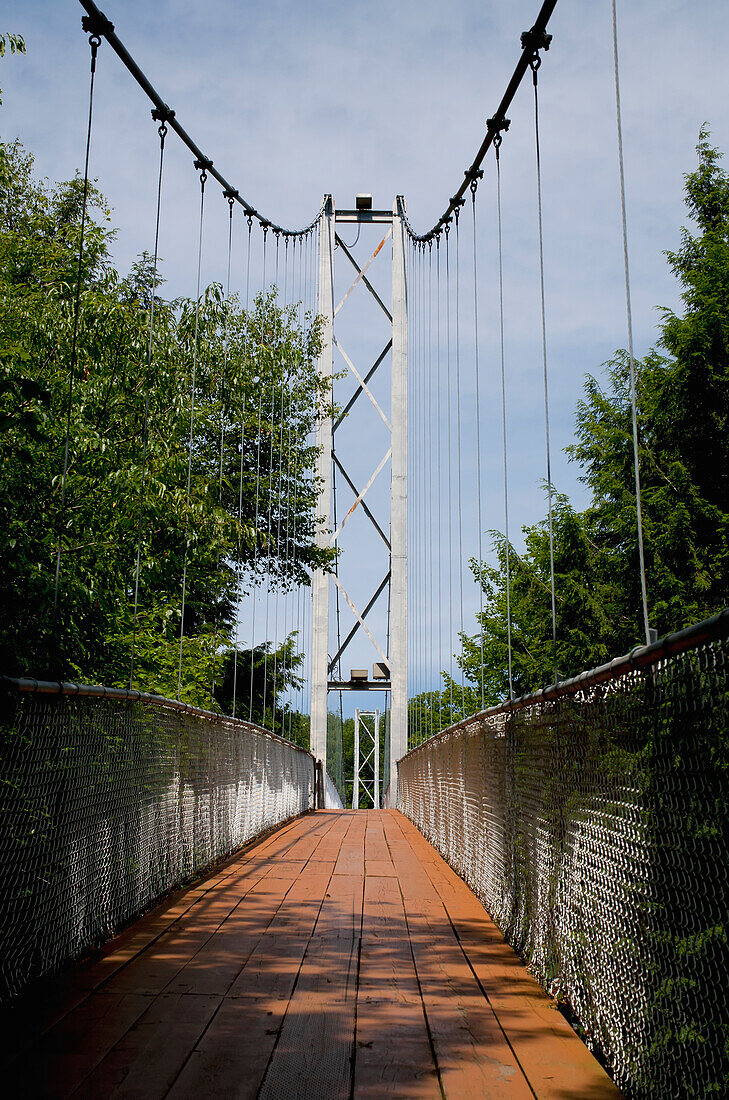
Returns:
(683, 407)
(250, 506)
(13, 42)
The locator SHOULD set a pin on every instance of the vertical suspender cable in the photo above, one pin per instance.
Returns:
(244, 373)
(497, 149)
(535, 63)
(258, 492)
(276, 334)
(449, 411)
(438, 465)
(203, 178)
(474, 186)
(162, 131)
(428, 428)
(633, 399)
(459, 472)
(226, 306)
(94, 43)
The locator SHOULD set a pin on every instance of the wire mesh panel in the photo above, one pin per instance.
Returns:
(109, 803)
(593, 826)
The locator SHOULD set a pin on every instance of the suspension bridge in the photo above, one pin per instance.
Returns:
(520, 899)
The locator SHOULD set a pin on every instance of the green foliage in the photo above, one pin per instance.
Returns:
(256, 392)
(15, 43)
(683, 408)
(340, 755)
(262, 677)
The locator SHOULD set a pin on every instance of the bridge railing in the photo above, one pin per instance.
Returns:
(591, 820)
(112, 798)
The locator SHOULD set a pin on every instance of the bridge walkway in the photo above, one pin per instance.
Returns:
(339, 957)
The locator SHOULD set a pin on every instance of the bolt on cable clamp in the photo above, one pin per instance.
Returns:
(497, 125)
(534, 40)
(97, 24)
(162, 114)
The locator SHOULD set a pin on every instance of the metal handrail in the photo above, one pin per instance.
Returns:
(708, 630)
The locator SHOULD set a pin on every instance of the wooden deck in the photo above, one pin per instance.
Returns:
(338, 957)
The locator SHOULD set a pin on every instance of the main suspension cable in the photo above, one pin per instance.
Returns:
(496, 122)
(102, 27)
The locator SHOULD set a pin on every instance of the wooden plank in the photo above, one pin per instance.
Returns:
(146, 1061)
(305, 965)
(217, 964)
(380, 868)
(179, 945)
(316, 1041)
(329, 847)
(555, 1060)
(231, 1057)
(393, 1056)
(351, 853)
(473, 1057)
(59, 1061)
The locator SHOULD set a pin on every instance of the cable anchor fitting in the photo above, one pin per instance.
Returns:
(532, 41)
(473, 175)
(203, 165)
(163, 115)
(457, 203)
(97, 25)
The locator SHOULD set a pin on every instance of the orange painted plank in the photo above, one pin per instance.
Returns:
(555, 1060)
(380, 868)
(393, 1056)
(351, 853)
(314, 1048)
(217, 964)
(231, 1057)
(473, 1057)
(146, 1061)
(61, 1060)
(153, 971)
(249, 980)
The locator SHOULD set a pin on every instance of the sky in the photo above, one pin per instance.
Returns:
(292, 101)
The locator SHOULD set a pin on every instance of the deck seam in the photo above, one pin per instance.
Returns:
(431, 1041)
(153, 997)
(301, 964)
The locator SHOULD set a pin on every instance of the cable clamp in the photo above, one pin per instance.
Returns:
(163, 113)
(231, 195)
(97, 25)
(473, 175)
(496, 126)
(535, 40)
(203, 164)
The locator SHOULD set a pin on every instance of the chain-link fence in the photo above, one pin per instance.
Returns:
(591, 821)
(108, 803)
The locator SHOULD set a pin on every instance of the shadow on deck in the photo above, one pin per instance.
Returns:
(340, 956)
